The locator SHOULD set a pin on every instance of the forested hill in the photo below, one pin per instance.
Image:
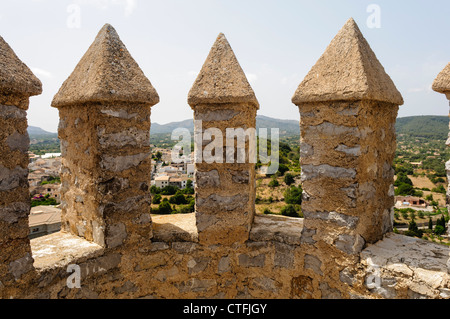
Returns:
(430, 126)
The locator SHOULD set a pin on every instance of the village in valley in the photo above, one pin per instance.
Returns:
(169, 180)
(420, 182)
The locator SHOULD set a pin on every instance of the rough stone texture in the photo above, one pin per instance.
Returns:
(361, 75)
(175, 228)
(105, 171)
(221, 80)
(340, 219)
(348, 107)
(442, 82)
(222, 99)
(215, 253)
(106, 73)
(284, 229)
(16, 77)
(442, 85)
(207, 179)
(17, 84)
(61, 249)
(397, 262)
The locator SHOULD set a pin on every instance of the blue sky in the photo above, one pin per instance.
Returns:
(276, 43)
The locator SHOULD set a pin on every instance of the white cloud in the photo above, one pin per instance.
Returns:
(41, 72)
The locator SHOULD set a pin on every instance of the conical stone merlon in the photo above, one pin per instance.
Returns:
(106, 73)
(221, 79)
(348, 70)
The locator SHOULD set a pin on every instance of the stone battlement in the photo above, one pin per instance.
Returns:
(111, 246)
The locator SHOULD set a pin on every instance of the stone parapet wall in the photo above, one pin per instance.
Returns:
(112, 247)
(271, 266)
(17, 85)
(442, 85)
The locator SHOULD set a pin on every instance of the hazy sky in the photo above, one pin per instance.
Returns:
(276, 43)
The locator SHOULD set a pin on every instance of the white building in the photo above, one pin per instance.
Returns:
(162, 181)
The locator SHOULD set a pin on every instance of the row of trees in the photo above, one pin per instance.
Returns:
(180, 201)
(439, 229)
(293, 199)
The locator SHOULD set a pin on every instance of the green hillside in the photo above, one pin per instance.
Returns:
(287, 127)
(433, 127)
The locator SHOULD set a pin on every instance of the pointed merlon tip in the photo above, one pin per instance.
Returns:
(107, 28)
(15, 77)
(107, 31)
(442, 82)
(348, 70)
(221, 79)
(106, 73)
(350, 27)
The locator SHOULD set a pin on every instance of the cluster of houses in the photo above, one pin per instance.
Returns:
(166, 172)
(43, 170)
(43, 179)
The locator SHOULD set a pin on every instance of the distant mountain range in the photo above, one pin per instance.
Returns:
(37, 131)
(287, 127)
(419, 126)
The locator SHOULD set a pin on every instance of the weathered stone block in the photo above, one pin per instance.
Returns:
(307, 236)
(13, 212)
(224, 265)
(240, 177)
(306, 150)
(266, 284)
(116, 235)
(329, 293)
(130, 137)
(121, 113)
(350, 244)
(196, 285)
(21, 266)
(353, 151)
(122, 163)
(12, 178)
(313, 263)
(252, 261)
(184, 247)
(207, 179)
(12, 112)
(225, 203)
(347, 276)
(197, 265)
(284, 256)
(216, 115)
(17, 141)
(311, 172)
(337, 218)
